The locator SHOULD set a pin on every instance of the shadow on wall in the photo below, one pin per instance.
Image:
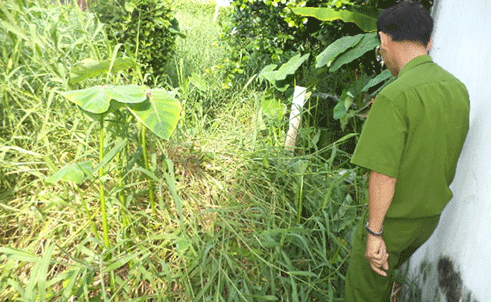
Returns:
(449, 286)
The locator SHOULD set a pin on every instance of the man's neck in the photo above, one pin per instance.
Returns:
(406, 52)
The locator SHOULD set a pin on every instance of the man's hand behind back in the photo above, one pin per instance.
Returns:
(376, 254)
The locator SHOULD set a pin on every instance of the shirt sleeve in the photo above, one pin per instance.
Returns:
(382, 140)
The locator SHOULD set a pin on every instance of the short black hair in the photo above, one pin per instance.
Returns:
(407, 21)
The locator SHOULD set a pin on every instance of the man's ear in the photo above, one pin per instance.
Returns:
(384, 38)
(430, 44)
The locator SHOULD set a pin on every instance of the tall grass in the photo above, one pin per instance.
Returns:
(228, 199)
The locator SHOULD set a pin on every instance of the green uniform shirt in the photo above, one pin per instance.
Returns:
(415, 132)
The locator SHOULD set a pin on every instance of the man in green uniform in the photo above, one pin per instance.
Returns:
(411, 143)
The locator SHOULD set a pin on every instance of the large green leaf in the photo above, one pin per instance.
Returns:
(129, 94)
(76, 172)
(90, 68)
(365, 18)
(367, 43)
(97, 99)
(344, 104)
(160, 112)
(290, 67)
(385, 75)
(269, 73)
(335, 49)
(93, 99)
(273, 76)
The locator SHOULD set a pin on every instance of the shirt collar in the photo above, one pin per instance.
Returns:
(415, 62)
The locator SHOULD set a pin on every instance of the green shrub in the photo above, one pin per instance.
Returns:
(146, 29)
(263, 31)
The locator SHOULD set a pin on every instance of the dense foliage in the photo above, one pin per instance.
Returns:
(343, 76)
(264, 31)
(268, 30)
(39, 48)
(146, 29)
(233, 217)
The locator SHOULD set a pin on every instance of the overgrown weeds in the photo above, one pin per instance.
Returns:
(237, 218)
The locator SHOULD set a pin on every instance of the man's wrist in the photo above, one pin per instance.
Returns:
(376, 227)
(373, 232)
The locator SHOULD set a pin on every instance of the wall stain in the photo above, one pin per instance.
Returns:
(449, 285)
(449, 280)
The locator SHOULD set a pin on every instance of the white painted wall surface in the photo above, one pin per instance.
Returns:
(462, 45)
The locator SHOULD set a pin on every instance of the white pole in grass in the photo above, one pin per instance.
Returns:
(454, 264)
(295, 117)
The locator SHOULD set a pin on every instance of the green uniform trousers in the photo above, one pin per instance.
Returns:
(402, 238)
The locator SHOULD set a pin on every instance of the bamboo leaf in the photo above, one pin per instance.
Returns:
(67, 277)
(170, 178)
(147, 275)
(148, 173)
(71, 280)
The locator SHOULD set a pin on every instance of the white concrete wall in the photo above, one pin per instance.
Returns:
(462, 45)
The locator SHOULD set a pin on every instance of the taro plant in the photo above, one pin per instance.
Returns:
(354, 99)
(351, 53)
(155, 109)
